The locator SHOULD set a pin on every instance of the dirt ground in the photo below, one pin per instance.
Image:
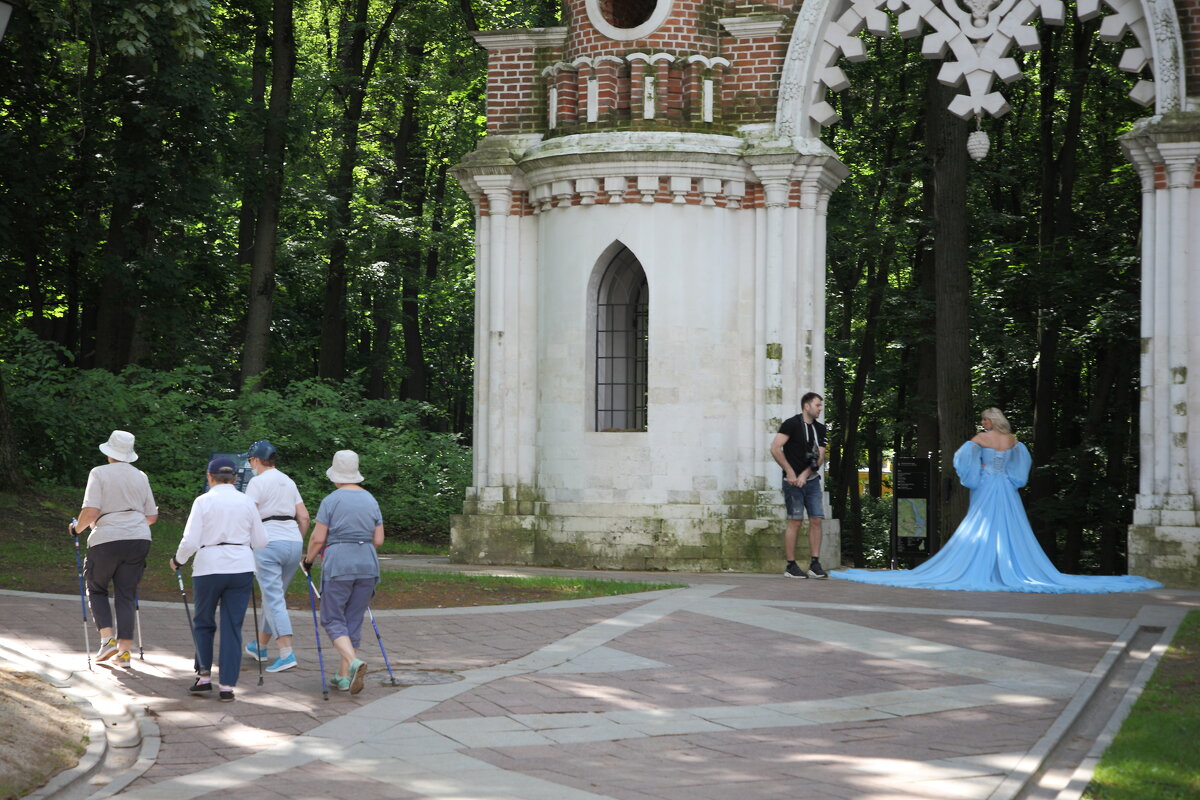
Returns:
(42, 732)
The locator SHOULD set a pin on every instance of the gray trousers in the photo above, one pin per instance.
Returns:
(120, 563)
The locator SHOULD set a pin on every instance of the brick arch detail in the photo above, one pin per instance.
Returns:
(826, 31)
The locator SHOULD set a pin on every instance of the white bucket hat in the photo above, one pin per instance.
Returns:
(345, 468)
(119, 446)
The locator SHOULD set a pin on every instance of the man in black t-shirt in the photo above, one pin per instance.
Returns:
(799, 449)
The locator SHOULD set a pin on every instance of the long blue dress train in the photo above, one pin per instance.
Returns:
(994, 549)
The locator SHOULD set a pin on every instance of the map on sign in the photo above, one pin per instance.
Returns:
(912, 517)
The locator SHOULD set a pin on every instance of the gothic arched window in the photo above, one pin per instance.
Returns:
(622, 344)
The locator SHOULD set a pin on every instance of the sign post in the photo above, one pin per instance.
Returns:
(912, 510)
(244, 470)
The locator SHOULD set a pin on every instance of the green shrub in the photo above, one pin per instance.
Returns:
(180, 417)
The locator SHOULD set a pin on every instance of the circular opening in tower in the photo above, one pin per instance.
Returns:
(626, 14)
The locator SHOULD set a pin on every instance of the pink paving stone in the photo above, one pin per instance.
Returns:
(1023, 639)
(710, 662)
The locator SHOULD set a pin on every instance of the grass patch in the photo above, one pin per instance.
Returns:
(569, 588)
(37, 555)
(1155, 755)
(394, 547)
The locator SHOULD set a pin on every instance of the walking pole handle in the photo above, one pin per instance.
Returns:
(308, 575)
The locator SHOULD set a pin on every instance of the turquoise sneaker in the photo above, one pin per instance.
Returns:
(341, 684)
(358, 672)
(256, 652)
(282, 663)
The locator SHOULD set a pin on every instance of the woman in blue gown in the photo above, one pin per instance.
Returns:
(994, 549)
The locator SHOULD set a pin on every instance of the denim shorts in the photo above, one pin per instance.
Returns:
(806, 498)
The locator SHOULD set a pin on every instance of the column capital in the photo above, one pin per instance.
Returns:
(1180, 160)
(819, 178)
(1142, 154)
(499, 191)
(775, 172)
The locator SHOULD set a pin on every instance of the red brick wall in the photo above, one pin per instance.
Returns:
(516, 99)
(692, 27)
(751, 89)
(745, 92)
(1189, 28)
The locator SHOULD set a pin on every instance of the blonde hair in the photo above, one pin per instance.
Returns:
(999, 422)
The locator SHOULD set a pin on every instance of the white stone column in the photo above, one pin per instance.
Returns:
(1149, 495)
(524, 256)
(1180, 159)
(479, 444)
(1164, 540)
(499, 195)
(775, 175)
(810, 297)
(762, 294)
(818, 178)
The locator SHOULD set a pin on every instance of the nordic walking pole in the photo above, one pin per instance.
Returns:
(87, 646)
(379, 639)
(254, 605)
(186, 610)
(137, 612)
(312, 602)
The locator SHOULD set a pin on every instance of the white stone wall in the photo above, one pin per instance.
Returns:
(699, 268)
(736, 336)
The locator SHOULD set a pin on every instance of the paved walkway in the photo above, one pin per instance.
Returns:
(744, 686)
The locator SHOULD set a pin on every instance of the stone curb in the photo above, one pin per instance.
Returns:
(1022, 780)
(82, 690)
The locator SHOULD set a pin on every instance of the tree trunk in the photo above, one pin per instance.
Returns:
(410, 164)
(11, 479)
(262, 272)
(1119, 439)
(130, 231)
(248, 212)
(350, 86)
(80, 334)
(114, 323)
(1057, 189)
(874, 460)
(947, 145)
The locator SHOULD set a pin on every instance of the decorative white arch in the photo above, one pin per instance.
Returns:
(978, 38)
(975, 40)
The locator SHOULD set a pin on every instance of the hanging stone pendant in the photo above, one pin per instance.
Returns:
(978, 144)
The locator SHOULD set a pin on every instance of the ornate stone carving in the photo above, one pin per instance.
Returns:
(974, 37)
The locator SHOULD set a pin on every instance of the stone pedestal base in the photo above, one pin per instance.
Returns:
(744, 536)
(1167, 553)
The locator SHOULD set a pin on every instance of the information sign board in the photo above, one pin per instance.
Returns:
(912, 509)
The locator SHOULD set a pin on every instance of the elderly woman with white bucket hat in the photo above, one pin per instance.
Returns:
(119, 508)
(349, 528)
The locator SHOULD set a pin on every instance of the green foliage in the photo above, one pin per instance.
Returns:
(140, 126)
(180, 416)
(874, 515)
(569, 588)
(1154, 755)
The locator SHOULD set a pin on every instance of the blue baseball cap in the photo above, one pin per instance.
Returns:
(261, 449)
(222, 466)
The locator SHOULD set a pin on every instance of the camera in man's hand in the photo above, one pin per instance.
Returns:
(813, 458)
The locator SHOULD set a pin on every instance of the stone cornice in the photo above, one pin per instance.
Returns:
(528, 39)
(752, 27)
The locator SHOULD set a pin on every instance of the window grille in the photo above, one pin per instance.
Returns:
(622, 345)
